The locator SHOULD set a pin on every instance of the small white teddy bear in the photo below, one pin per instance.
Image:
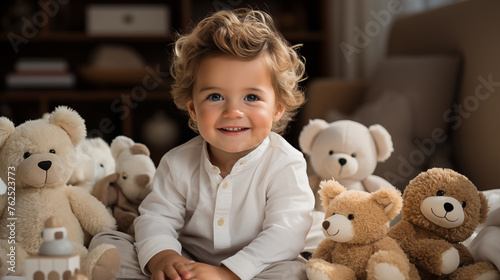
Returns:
(94, 161)
(346, 151)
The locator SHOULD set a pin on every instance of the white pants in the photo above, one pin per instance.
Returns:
(130, 269)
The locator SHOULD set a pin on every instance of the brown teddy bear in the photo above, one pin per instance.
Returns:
(37, 157)
(356, 245)
(442, 208)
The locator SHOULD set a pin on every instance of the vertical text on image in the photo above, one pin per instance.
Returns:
(11, 217)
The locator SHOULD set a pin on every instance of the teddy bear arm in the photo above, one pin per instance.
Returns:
(89, 211)
(324, 250)
(427, 253)
(373, 183)
(104, 190)
(124, 219)
(388, 244)
(466, 257)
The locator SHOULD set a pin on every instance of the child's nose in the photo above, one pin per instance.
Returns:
(232, 111)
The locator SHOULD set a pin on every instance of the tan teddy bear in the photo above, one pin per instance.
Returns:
(356, 245)
(38, 156)
(442, 208)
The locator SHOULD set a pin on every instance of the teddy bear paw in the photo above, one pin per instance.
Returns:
(316, 274)
(490, 275)
(387, 271)
(102, 263)
(450, 261)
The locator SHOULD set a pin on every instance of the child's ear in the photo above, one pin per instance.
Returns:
(280, 110)
(191, 110)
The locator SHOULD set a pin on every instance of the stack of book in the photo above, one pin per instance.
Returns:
(40, 73)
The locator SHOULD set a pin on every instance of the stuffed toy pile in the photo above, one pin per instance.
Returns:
(441, 209)
(39, 155)
(123, 191)
(356, 245)
(346, 151)
(94, 161)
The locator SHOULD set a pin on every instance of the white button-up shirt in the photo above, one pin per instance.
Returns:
(258, 214)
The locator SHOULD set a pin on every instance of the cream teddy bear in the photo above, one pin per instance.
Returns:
(38, 156)
(123, 191)
(346, 151)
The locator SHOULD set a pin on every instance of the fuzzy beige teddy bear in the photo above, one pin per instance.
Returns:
(356, 245)
(38, 157)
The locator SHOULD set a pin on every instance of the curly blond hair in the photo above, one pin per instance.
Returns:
(246, 34)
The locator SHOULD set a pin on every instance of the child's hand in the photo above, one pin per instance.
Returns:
(202, 271)
(169, 264)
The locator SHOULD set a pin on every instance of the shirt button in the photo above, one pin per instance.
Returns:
(225, 185)
(220, 222)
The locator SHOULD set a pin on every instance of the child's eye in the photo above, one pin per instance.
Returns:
(251, 97)
(214, 97)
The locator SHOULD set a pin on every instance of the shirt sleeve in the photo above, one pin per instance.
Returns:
(161, 216)
(289, 205)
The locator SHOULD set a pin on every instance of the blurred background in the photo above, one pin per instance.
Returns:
(109, 59)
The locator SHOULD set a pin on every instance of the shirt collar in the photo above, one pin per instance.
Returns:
(252, 158)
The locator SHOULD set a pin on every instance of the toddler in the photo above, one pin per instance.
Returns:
(233, 202)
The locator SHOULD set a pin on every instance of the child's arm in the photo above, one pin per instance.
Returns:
(161, 217)
(288, 220)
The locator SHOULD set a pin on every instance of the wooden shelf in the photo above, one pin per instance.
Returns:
(76, 46)
(78, 37)
(73, 95)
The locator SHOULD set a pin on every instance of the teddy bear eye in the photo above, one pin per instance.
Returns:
(124, 176)
(353, 155)
(330, 152)
(464, 204)
(52, 151)
(350, 217)
(440, 193)
(26, 155)
(101, 165)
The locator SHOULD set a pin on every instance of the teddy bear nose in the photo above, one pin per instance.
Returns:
(326, 224)
(45, 165)
(342, 161)
(448, 207)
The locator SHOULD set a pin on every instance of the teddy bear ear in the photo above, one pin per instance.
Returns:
(119, 144)
(383, 141)
(70, 121)
(139, 149)
(483, 212)
(6, 129)
(309, 133)
(329, 190)
(390, 200)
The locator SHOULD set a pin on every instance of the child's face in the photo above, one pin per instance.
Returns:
(234, 103)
